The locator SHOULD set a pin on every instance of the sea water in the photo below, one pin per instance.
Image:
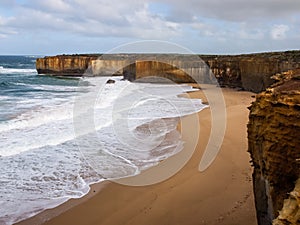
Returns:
(59, 135)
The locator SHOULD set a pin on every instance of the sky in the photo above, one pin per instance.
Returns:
(49, 27)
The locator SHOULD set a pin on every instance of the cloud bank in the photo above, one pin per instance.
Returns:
(200, 25)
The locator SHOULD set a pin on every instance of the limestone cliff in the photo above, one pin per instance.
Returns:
(290, 212)
(179, 71)
(274, 144)
(250, 72)
(64, 65)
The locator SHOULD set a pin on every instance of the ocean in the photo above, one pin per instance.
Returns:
(60, 135)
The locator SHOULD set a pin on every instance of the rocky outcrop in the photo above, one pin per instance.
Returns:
(274, 145)
(250, 72)
(155, 69)
(179, 71)
(107, 67)
(64, 65)
(290, 212)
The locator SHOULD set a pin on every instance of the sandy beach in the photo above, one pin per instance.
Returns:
(222, 194)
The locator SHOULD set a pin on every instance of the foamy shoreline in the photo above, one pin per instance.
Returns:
(96, 151)
(220, 195)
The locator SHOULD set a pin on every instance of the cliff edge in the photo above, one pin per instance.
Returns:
(64, 65)
(251, 72)
(274, 145)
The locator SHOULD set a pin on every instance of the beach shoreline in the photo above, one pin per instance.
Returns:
(222, 194)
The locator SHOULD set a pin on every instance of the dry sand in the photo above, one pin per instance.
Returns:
(222, 194)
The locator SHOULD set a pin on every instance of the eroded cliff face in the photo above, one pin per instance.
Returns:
(64, 65)
(145, 69)
(274, 145)
(250, 72)
(176, 71)
(290, 212)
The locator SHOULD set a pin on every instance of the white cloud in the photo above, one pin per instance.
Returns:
(4, 20)
(7, 3)
(94, 18)
(229, 30)
(133, 18)
(191, 22)
(234, 10)
(251, 32)
(278, 32)
(204, 29)
(56, 6)
(5, 31)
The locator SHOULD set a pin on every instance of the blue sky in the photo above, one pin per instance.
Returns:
(51, 27)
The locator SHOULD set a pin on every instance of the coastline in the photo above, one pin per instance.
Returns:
(222, 194)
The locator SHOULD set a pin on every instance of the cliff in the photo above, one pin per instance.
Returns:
(290, 212)
(64, 65)
(250, 72)
(184, 69)
(273, 141)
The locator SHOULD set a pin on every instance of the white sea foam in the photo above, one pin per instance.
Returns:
(15, 70)
(3, 97)
(53, 152)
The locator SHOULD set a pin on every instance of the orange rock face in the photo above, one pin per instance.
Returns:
(250, 72)
(274, 145)
(64, 65)
(290, 212)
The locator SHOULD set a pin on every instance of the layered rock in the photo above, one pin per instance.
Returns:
(290, 212)
(107, 67)
(274, 145)
(250, 72)
(179, 71)
(64, 65)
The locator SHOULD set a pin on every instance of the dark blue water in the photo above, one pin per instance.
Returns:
(22, 89)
